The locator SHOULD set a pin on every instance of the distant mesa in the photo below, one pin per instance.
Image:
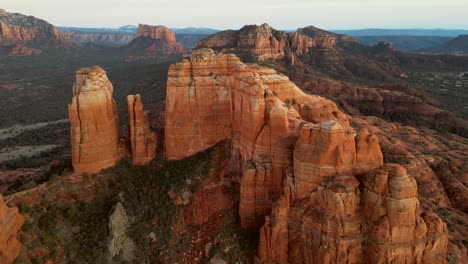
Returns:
(154, 40)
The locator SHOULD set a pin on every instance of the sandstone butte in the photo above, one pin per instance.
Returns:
(10, 223)
(318, 189)
(94, 122)
(143, 142)
(264, 42)
(155, 40)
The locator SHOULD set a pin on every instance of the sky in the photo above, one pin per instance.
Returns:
(233, 14)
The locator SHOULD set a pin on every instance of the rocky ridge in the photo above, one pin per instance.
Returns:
(264, 42)
(29, 32)
(101, 38)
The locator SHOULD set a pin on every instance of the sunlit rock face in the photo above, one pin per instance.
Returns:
(372, 218)
(319, 188)
(94, 122)
(263, 42)
(213, 97)
(10, 223)
(143, 142)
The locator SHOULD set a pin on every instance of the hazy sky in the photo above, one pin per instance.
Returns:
(281, 14)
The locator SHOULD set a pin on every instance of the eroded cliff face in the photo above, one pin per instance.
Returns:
(155, 40)
(94, 122)
(143, 142)
(10, 223)
(29, 31)
(318, 187)
(374, 218)
(263, 42)
(213, 97)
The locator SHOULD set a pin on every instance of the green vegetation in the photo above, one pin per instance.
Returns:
(82, 228)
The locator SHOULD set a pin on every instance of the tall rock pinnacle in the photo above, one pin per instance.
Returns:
(142, 141)
(94, 122)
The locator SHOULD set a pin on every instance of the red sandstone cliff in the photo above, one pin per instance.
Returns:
(94, 121)
(29, 31)
(10, 223)
(263, 42)
(330, 198)
(155, 40)
(143, 142)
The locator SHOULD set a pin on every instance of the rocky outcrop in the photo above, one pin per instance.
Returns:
(374, 218)
(20, 50)
(326, 149)
(100, 38)
(28, 30)
(143, 142)
(121, 246)
(318, 187)
(262, 42)
(10, 223)
(155, 40)
(94, 122)
(395, 102)
(212, 98)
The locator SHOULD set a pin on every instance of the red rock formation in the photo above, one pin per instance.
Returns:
(212, 98)
(10, 223)
(25, 30)
(155, 40)
(94, 121)
(263, 42)
(143, 142)
(326, 149)
(402, 103)
(345, 220)
(301, 161)
(19, 50)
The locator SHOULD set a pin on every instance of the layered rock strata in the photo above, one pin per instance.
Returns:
(318, 187)
(155, 40)
(101, 38)
(10, 223)
(94, 122)
(212, 98)
(143, 142)
(263, 42)
(374, 218)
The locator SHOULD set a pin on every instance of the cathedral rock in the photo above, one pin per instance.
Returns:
(94, 122)
(142, 141)
(10, 223)
(318, 188)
